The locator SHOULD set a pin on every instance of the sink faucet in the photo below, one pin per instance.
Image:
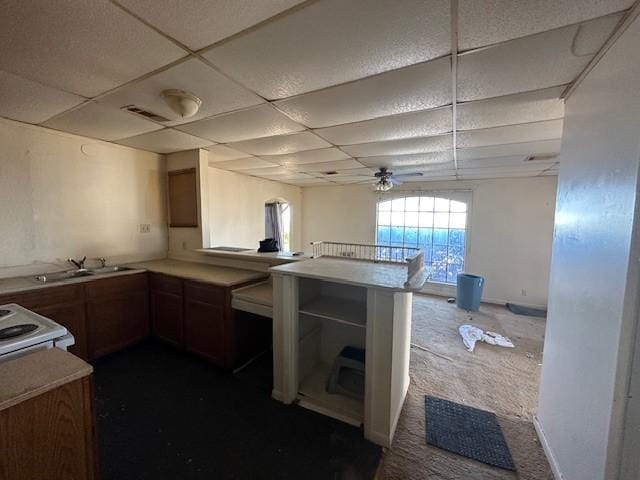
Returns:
(103, 261)
(79, 264)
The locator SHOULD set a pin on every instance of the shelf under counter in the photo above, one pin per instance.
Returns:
(346, 311)
(313, 395)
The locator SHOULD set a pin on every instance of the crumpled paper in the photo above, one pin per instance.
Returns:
(471, 334)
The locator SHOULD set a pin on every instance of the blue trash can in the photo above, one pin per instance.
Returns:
(469, 291)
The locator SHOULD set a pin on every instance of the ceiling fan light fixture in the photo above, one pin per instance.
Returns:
(383, 185)
(183, 103)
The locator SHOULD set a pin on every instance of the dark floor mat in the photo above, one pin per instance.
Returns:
(467, 431)
(528, 311)
(164, 414)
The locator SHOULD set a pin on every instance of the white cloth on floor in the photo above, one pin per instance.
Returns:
(470, 335)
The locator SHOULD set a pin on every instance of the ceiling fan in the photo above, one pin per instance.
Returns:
(386, 179)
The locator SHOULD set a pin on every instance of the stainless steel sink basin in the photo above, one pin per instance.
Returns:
(111, 269)
(60, 276)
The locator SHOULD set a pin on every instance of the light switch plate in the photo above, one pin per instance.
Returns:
(145, 228)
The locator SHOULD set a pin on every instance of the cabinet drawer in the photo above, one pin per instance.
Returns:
(165, 283)
(115, 286)
(205, 292)
(44, 297)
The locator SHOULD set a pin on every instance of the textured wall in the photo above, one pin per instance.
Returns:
(63, 196)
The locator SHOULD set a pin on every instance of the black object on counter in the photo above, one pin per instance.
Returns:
(269, 245)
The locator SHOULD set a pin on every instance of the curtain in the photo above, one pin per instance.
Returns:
(273, 223)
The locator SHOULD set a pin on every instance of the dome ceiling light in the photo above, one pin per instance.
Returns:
(183, 103)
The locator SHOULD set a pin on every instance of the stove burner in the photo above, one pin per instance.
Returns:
(5, 312)
(17, 330)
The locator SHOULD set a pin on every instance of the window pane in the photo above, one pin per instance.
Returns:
(397, 205)
(439, 254)
(397, 218)
(439, 273)
(384, 206)
(457, 220)
(458, 206)
(452, 273)
(412, 204)
(425, 235)
(456, 254)
(384, 218)
(397, 234)
(425, 219)
(428, 254)
(411, 237)
(383, 235)
(456, 237)
(411, 219)
(440, 236)
(441, 220)
(426, 204)
(441, 204)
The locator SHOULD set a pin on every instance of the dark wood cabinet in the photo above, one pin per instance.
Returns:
(50, 436)
(117, 313)
(167, 321)
(205, 329)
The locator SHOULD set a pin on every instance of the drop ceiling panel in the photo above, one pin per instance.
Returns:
(436, 167)
(82, 47)
(255, 122)
(279, 178)
(281, 144)
(515, 160)
(200, 23)
(439, 176)
(243, 164)
(511, 109)
(349, 172)
(545, 147)
(273, 171)
(347, 180)
(492, 21)
(407, 160)
(329, 166)
(331, 42)
(497, 174)
(218, 93)
(165, 141)
(96, 120)
(31, 102)
(480, 167)
(543, 60)
(220, 153)
(416, 124)
(526, 132)
(309, 156)
(401, 147)
(418, 87)
(308, 182)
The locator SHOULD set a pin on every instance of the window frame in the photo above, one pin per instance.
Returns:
(460, 195)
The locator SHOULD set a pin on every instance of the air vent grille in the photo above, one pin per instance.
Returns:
(540, 157)
(144, 113)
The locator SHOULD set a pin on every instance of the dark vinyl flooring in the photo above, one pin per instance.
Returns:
(164, 414)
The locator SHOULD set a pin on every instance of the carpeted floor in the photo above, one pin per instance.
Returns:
(163, 414)
(501, 380)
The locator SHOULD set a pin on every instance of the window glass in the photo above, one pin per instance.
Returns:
(437, 225)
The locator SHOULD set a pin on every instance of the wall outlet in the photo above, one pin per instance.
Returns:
(145, 228)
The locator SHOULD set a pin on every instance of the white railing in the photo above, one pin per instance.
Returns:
(410, 256)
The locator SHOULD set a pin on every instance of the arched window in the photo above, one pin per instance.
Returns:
(277, 223)
(436, 224)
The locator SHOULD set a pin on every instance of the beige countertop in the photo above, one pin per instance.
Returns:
(261, 293)
(270, 258)
(354, 272)
(33, 374)
(201, 272)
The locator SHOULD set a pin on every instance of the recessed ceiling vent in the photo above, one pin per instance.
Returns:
(144, 113)
(331, 173)
(540, 157)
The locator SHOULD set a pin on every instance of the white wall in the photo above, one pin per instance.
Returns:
(593, 303)
(510, 229)
(63, 196)
(236, 208)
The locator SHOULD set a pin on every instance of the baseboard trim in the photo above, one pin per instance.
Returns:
(555, 469)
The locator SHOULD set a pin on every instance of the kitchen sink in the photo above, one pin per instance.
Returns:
(112, 269)
(60, 276)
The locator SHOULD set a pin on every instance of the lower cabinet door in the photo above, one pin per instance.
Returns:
(204, 330)
(72, 317)
(114, 323)
(167, 321)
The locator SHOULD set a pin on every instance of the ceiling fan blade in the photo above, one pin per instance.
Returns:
(394, 181)
(414, 174)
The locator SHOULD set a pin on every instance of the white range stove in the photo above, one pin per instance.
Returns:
(23, 331)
